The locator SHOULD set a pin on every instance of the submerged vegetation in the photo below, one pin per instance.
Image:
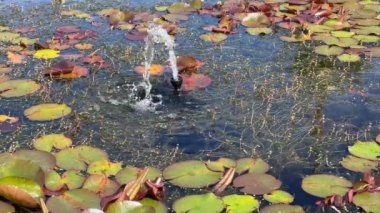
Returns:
(60, 174)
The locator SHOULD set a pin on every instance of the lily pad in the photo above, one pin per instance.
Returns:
(83, 198)
(199, 204)
(341, 42)
(47, 112)
(9, 37)
(259, 31)
(328, 50)
(22, 168)
(73, 179)
(69, 159)
(101, 184)
(368, 150)
(368, 201)
(316, 28)
(46, 54)
(255, 20)
(221, 164)
(128, 206)
(367, 38)
(53, 181)
(240, 203)
(90, 154)
(358, 164)
(24, 192)
(251, 165)
(131, 173)
(213, 37)
(18, 88)
(47, 142)
(192, 174)
(342, 34)
(279, 196)
(58, 204)
(44, 159)
(325, 185)
(180, 8)
(157, 205)
(6, 207)
(283, 208)
(256, 184)
(349, 58)
(104, 167)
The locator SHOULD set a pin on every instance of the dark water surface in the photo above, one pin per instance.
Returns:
(269, 99)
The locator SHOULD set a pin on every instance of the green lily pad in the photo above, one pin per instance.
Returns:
(259, 31)
(161, 8)
(325, 185)
(131, 173)
(22, 168)
(104, 167)
(192, 174)
(199, 204)
(367, 30)
(367, 38)
(341, 42)
(83, 198)
(47, 142)
(256, 184)
(196, 4)
(58, 204)
(221, 164)
(128, 206)
(47, 112)
(180, 8)
(157, 205)
(73, 179)
(53, 181)
(366, 22)
(213, 37)
(44, 159)
(342, 34)
(101, 184)
(368, 201)
(6, 207)
(283, 208)
(328, 51)
(368, 150)
(24, 192)
(358, 164)
(251, 165)
(9, 37)
(240, 203)
(18, 88)
(316, 28)
(69, 159)
(90, 154)
(279, 196)
(349, 58)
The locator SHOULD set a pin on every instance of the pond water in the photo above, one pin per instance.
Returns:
(269, 99)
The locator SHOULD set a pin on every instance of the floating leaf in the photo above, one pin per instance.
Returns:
(197, 4)
(47, 112)
(325, 185)
(46, 54)
(16, 58)
(192, 174)
(279, 196)
(155, 69)
(240, 203)
(9, 37)
(199, 204)
(368, 150)
(358, 164)
(22, 168)
(349, 58)
(342, 34)
(315, 28)
(69, 159)
(6, 207)
(259, 31)
(24, 192)
(18, 88)
(83, 198)
(131, 173)
(161, 8)
(367, 38)
(127, 206)
(47, 142)
(104, 167)
(221, 164)
(180, 8)
(5, 118)
(283, 208)
(101, 184)
(195, 81)
(76, 13)
(53, 181)
(255, 20)
(73, 179)
(187, 63)
(214, 37)
(58, 204)
(256, 184)
(90, 154)
(252, 165)
(328, 50)
(368, 201)
(157, 205)
(341, 42)
(44, 159)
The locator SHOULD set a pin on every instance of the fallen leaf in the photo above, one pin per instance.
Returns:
(83, 46)
(16, 58)
(155, 69)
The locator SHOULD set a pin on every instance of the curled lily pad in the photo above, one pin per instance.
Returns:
(368, 150)
(104, 167)
(46, 54)
(349, 58)
(47, 112)
(47, 142)
(251, 165)
(192, 174)
(256, 184)
(24, 192)
(328, 50)
(199, 204)
(213, 37)
(259, 31)
(325, 185)
(368, 201)
(131, 173)
(18, 88)
(240, 203)
(358, 164)
(279, 196)
(283, 208)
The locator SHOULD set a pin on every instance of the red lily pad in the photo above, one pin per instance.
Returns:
(195, 81)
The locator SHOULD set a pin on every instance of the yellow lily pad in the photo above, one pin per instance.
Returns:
(213, 37)
(47, 112)
(18, 88)
(46, 54)
(47, 142)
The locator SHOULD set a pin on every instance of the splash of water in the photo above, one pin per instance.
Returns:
(157, 34)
